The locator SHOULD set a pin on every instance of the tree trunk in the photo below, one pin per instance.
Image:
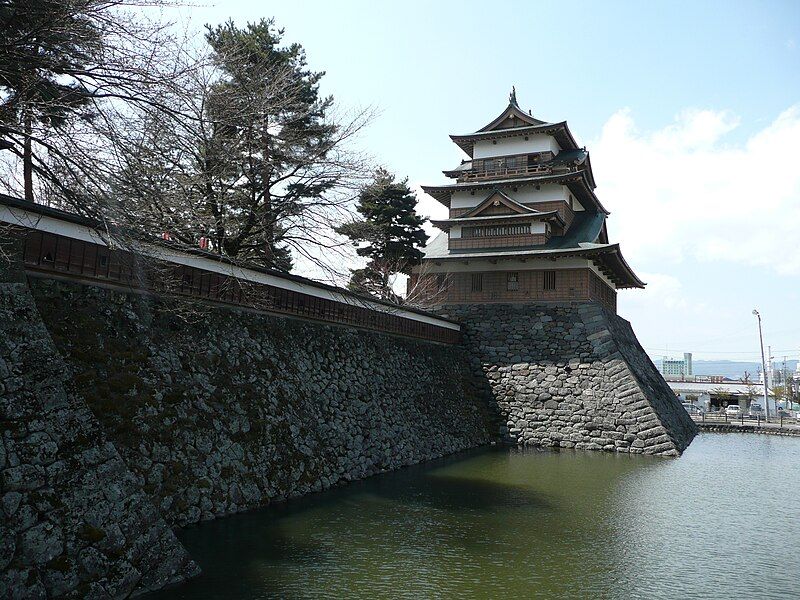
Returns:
(269, 220)
(27, 158)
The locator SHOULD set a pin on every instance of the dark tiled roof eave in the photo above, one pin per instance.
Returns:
(550, 215)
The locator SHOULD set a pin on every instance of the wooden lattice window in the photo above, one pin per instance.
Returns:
(549, 280)
(495, 230)
(477, 282)
(512, 281)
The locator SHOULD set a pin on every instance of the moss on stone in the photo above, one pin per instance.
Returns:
(90, 533)
(60, 563)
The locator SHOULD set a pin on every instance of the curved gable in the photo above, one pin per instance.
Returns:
(510, 118)
(498, 203)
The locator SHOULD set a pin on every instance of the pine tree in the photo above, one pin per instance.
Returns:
(274, 128)
(261, 169)
(71, 71)
(389, 234)
(45, 42)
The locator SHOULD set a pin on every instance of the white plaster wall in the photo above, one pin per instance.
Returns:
(455, 232)
(526, 194)
(538, 227)
(467, 200)
(538, 142)
(548, 192)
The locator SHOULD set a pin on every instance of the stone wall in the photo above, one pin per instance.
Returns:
(74, 521)
(123, 414)
(572, 376)
(218, 410)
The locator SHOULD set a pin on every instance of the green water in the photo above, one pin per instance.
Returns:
(719, 522)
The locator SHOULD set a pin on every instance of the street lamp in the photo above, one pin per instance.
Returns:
(763, 363)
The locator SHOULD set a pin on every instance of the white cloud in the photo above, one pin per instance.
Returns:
(664, 289)
(683, 194)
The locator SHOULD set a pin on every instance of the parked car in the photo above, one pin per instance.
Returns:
(732, 410)
(692, 409)
(756, 410)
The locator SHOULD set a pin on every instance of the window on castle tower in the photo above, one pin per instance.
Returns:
(495, 230)
(477, 282)
(515, 162)
(512, 282)
(549, 280)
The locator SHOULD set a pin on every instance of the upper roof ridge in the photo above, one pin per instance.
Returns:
(517, 116)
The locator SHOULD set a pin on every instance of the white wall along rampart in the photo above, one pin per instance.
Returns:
(30, 220)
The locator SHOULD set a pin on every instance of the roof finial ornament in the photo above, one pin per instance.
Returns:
(512, 97)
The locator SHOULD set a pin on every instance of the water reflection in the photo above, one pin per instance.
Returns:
(507, 522)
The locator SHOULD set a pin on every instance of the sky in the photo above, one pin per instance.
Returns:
(690, 110)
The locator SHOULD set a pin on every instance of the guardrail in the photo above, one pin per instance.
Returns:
(757, 421)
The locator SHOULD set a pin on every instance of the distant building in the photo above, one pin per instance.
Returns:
(716, 396)
(709, 378)
(676, 367)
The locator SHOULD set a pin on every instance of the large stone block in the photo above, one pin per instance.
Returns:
(50, 480)
(598, 370)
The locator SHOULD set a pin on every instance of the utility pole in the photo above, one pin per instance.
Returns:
(763, 363)
(787, 393)
(771, 379)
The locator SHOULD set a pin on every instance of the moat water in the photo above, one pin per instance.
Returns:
(719, 522)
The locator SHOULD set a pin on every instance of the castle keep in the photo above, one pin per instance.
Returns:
(524, 222)
(524, 262)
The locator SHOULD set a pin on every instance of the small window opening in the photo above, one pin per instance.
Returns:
(512, 282)
(549, 280)
(477, 282)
